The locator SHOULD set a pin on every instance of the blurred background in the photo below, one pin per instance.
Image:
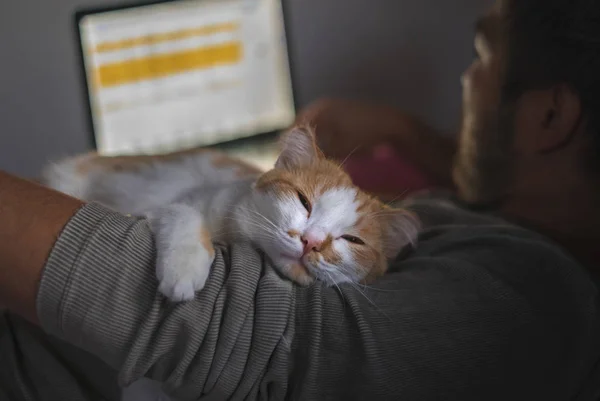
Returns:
(409, 53)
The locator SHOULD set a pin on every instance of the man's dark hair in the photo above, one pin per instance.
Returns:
(556, 41)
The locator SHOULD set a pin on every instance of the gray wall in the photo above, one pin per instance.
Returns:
(407, 52)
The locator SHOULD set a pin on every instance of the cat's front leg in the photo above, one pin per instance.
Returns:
(184, 251)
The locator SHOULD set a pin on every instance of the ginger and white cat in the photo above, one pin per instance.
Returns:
(305, 214)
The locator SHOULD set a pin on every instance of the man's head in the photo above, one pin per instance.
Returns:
(531, 98)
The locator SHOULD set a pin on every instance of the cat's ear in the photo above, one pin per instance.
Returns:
(400, 228)
(298, 148)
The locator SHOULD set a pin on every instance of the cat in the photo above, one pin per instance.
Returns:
(305, 214)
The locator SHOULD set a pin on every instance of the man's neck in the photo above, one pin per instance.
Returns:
(567, 214)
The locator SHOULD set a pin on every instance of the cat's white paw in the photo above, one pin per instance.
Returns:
(184, 251)
(182, 272)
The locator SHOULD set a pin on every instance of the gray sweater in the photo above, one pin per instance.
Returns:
(480, 310)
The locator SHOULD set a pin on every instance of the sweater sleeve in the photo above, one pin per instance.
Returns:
(443, 326)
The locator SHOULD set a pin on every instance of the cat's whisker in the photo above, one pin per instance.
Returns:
(261, 231)
(374, 289)
(265, 230)
(356, 287)
(346, 275)
(381, 213)
(234, 208)
(250, 220)
(343, 270)
(262, 216)
(397, 197)
(349, 156)
(270, 224)
(259, 224)
(336, 286)
(255, 235)
(392, 243)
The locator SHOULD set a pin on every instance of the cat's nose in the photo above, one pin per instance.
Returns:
(311, 244)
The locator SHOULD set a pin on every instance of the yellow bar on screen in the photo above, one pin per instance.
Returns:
(162, 65)
(166, 37)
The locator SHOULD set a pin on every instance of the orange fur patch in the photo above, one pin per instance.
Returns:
(206, 241)
(131, 163)
(311, 181)
(370, 228)
(93, 161)
(242, 168)
(299, 274)
(294, 234)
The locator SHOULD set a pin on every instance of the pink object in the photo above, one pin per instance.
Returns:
(384, 171)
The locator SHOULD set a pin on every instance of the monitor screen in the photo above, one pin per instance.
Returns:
(178, 74)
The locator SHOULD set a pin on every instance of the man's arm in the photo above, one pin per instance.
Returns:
(347, 126)
(31, 219)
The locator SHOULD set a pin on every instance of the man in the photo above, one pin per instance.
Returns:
(481, 310)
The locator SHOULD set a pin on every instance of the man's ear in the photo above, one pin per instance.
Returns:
(298, 148)
(550, 118)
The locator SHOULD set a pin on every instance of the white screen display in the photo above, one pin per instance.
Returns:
(195, 72)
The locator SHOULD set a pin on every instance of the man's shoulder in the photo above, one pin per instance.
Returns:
(492, 244)
(465, 239)
(508, 257)
(449, 227)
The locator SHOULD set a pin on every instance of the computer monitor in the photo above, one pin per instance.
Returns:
(166, 75)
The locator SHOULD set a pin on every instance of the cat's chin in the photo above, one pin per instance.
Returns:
(297, 272)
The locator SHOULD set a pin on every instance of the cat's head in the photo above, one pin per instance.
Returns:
(315, 224)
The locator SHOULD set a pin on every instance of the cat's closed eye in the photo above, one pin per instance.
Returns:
(304, 202)
(354, 240)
